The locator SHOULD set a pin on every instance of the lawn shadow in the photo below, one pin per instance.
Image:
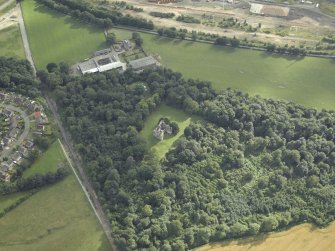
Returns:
(226, 49)
(267, 55)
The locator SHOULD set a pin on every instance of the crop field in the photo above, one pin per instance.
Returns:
(307, 81)
(54, 37)
(58, 217)
(11, 42)
(181, 118)
(299, 238)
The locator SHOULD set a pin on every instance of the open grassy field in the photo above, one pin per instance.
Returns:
(54, 37)
(47, 162)
(57, 217)
(11, 42)
(162, 147)
(308, 81)
(303, 237)
(7, 200)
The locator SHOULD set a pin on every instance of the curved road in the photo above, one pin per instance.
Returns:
(6, 152)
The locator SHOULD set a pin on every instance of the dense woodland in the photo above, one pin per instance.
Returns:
(17, 76)
(253, 165)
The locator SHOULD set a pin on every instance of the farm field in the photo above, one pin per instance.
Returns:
(299, 238)
(58, 217)
(162, 147)
(11, 42)
(54, 37)
(255, 72)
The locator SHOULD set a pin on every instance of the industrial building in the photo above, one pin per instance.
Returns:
(100, 64)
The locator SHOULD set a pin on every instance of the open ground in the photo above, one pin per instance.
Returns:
(57, 217)
(298, 238)
(11, 42)
(310, 23)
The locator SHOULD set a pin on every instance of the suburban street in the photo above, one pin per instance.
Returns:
(7, 151)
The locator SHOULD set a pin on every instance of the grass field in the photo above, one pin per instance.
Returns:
(7, 200)
(11, 42)
(303, 237)
(162, 147)
(54, 37)
(47, 162)
(58, 217)
(308, 81)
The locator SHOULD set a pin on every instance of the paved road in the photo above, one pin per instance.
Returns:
(4, 5)
(25, 40)
(6, 152)
(73, 157)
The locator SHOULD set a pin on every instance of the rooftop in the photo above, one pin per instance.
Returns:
(142, 62)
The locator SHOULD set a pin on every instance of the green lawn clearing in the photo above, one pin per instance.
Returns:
(54, 37)
(11, 43)
(308, 81)
(162, 147)
(48, 161)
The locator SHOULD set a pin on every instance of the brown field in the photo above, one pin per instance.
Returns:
(304, 237)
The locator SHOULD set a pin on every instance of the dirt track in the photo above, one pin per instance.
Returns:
(310, 24)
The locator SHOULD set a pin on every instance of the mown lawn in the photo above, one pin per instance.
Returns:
(47, 162)
(307, 81)
(57, 217)
(162, 147)
(54, 37)
(11, 43)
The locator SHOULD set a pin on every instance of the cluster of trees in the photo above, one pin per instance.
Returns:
(136, 9)
(97, 15)
(17, 76)
(188, 19)
(252, 166)
(285, 49)
(162, 14)
(172, 32)
(227, 41)
(330, 39)
(33, 182)
(173, 124)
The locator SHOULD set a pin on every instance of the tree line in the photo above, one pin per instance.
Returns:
(99, 16)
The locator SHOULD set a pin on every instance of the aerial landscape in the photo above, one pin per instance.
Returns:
(167, 125)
